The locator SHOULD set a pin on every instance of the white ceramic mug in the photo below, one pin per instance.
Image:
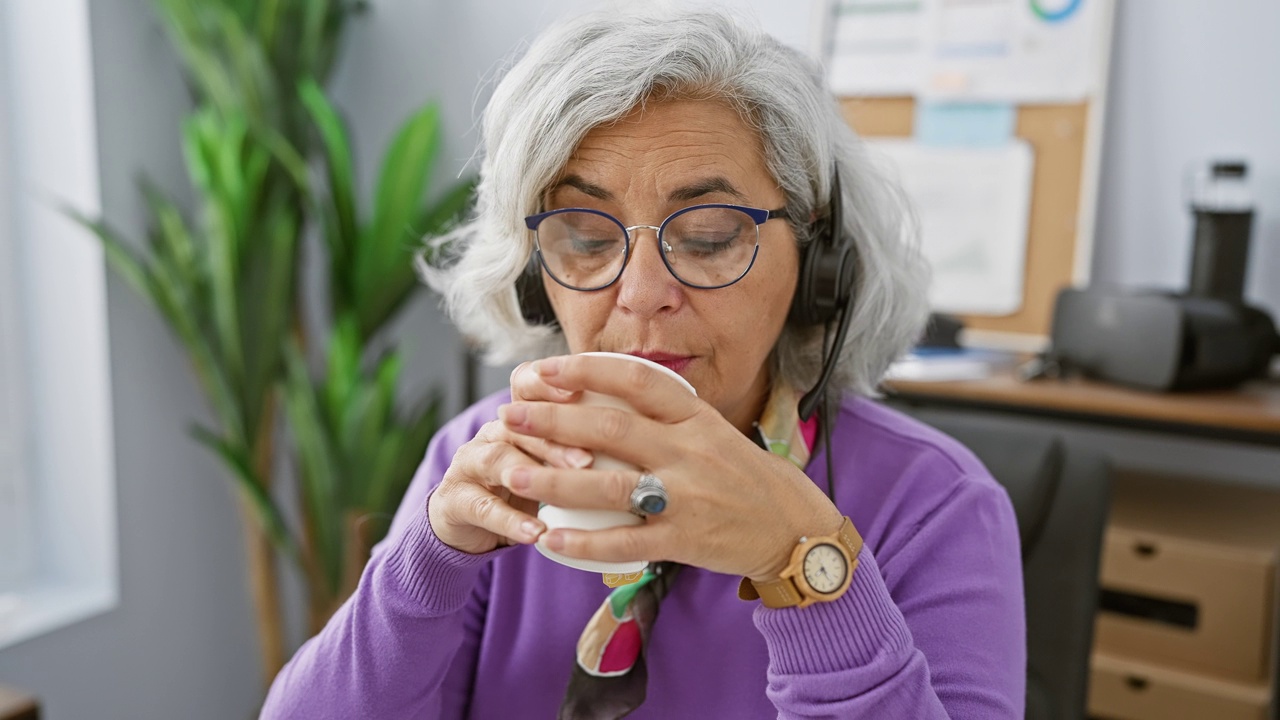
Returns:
(557, 517)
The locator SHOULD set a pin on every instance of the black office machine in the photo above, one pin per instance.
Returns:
(1161, 341)
(1205, 338)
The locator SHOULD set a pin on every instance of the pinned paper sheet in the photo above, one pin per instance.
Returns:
(1014, 50)
(942, 124)
(973, 205)
(878, 47)
(1019, 51)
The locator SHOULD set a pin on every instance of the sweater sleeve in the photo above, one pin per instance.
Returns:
(404, 644)
(946, 638)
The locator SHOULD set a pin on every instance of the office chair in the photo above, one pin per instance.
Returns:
(1061, 496)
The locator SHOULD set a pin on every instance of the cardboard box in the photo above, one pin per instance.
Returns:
(1187, 604)
(1210, 546)
(1121, 689)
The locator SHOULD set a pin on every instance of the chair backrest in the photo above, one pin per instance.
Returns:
(1061, 495)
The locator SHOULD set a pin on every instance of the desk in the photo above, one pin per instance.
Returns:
(1222, 441)
(1250, 414)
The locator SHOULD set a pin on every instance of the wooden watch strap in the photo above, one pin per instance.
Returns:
(778, 593)
(783, 592)
(851, 539)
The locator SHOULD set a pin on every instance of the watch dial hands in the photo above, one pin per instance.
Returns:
(821, 567)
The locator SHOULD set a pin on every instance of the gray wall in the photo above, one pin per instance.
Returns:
(1190, 79)
(181, 643)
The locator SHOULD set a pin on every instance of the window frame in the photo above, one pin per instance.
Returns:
(15, 530)
(71, 571)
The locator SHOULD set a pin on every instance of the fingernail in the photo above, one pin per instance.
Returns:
(555, 541)
(578, 457)
(547, 366)
(513, 414)
(518, 479)
(531, 529)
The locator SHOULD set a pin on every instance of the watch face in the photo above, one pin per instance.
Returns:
(825, 568)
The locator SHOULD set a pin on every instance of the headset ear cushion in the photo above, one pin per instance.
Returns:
(801, 314)
(535, 305)
(825, 282)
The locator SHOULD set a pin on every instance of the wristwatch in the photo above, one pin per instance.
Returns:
(820, 570)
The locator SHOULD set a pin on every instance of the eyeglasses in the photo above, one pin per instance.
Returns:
(704, 246)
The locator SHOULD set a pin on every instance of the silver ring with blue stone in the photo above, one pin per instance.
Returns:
(649, 497)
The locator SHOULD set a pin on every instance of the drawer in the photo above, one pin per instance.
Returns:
(1122, 689)
(1187, 604)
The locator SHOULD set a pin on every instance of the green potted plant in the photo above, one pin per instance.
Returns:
(271, 164)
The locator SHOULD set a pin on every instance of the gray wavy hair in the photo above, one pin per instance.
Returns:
(591, 70)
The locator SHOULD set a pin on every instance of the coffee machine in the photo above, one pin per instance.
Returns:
(1205, 338)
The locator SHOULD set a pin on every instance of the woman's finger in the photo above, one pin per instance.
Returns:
(620, 544)
(529, 385)
(581, 489)
(622, 434)
(485, 458)
(495, 441)
(552, 453)
(478, 507)
(651, 392)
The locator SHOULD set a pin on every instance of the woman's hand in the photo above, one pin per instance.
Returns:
(734, 508)
(471, 511)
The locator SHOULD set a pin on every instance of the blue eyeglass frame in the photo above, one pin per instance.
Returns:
(758, 215)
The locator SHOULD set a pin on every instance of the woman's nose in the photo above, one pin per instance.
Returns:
(647, 287)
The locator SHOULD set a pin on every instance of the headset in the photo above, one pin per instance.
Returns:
(535, 305)
(825, 288)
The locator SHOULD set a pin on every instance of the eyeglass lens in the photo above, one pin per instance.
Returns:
(704, 247)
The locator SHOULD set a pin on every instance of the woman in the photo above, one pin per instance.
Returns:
(911, 607)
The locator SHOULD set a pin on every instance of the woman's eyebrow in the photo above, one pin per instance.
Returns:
(684, 193)
(578, 183)
(705, 186)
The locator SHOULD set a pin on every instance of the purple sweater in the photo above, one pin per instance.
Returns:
(932, 626)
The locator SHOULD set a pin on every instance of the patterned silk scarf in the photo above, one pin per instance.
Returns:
(610, 677)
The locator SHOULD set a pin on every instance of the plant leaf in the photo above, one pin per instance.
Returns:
(440, 216)
(173, 243)
(419, 425)
(267, 513)
(268, 302)
(333, 134)
(188, 25)
(119, 255)
(401, 185)
(344, 234)
(317, 466)
(208, 138)
(343, 370)
(400, 282)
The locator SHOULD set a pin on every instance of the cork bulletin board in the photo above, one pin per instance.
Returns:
(1058, 136)
(1062, 127)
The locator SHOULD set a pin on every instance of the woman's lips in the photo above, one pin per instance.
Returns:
(672, 362)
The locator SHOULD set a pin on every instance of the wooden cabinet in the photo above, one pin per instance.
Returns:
(1205, 461)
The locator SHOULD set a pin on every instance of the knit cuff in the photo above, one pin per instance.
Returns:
(847, 633)
(436, 576)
